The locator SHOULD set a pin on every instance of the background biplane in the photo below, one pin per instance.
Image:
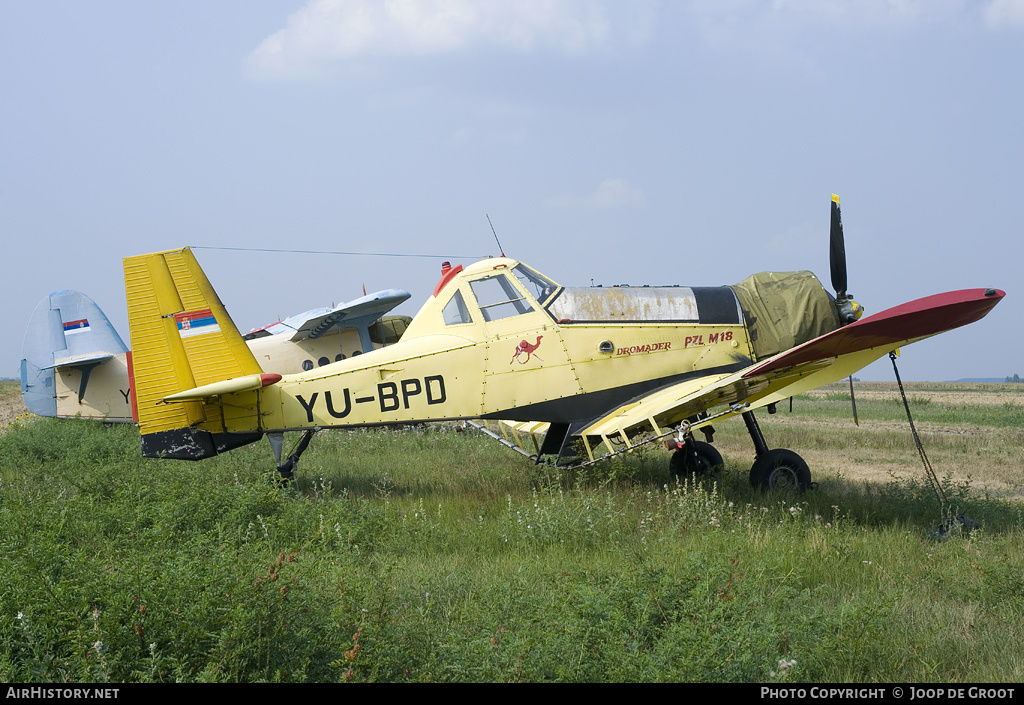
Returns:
(498, 340)
(74, 364)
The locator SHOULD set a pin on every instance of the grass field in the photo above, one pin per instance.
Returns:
(437, 555)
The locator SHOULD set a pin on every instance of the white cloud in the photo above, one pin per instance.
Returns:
(326, 34)
(328, 31)
(610, 193)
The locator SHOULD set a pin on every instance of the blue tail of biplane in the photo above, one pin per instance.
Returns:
(73, 361)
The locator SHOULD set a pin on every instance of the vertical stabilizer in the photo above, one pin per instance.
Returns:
(73, 361)
(182, 338)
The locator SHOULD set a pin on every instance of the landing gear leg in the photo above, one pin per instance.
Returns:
(777, 469)
(760, 446)
(695, 459)
(286, 470)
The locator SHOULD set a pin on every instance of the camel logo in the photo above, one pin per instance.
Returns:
(525, 348)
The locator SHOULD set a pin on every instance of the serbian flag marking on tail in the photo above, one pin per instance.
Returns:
(193, 323)
(80, 326)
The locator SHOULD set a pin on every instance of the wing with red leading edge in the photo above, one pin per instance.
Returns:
(825, 359)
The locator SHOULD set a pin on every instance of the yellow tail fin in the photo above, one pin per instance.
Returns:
(182, 338)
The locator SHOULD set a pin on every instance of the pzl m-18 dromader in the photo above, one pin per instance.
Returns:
(499, 340)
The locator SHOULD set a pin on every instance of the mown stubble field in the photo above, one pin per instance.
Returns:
(971, 433)
(11, 405)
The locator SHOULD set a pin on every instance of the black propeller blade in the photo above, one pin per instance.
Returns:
(837, 262)
(837, 251)
(849, 310)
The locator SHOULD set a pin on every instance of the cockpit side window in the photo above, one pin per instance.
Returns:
(536, 283)
(498, 298)
(455, 311)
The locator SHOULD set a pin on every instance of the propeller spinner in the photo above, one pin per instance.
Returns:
(849, 310)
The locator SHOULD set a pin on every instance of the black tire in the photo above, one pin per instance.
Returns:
(781, 470)
(702, 462)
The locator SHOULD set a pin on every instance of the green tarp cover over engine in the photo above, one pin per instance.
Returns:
(784, 309)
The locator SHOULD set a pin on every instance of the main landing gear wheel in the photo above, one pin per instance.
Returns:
(780, 470)
(696, 459)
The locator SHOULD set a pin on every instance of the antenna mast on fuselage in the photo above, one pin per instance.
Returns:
(500, 249)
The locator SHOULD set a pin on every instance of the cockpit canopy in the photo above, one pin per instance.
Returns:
(647, 304)
(495, 293)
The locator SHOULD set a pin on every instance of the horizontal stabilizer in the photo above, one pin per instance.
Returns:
(228, 386)
(81, 360)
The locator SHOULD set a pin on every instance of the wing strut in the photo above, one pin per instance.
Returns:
(965, 522)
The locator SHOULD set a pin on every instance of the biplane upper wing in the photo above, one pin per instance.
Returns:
(825, 359)
(358, 313)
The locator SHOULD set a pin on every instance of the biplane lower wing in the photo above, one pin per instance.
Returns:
(825, 359)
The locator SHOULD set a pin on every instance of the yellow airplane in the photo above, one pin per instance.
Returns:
(498, 340)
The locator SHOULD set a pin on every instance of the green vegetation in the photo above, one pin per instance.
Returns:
(836, 404)
(437, 555)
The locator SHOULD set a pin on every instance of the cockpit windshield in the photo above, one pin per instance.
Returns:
(498, 298)
(537, 284)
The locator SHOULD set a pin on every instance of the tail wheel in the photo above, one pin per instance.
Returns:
(696, 459)
(781, 470)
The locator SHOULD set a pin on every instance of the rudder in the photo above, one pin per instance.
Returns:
(182, 338)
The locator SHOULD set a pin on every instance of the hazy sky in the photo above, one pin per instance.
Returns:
(681, 142)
